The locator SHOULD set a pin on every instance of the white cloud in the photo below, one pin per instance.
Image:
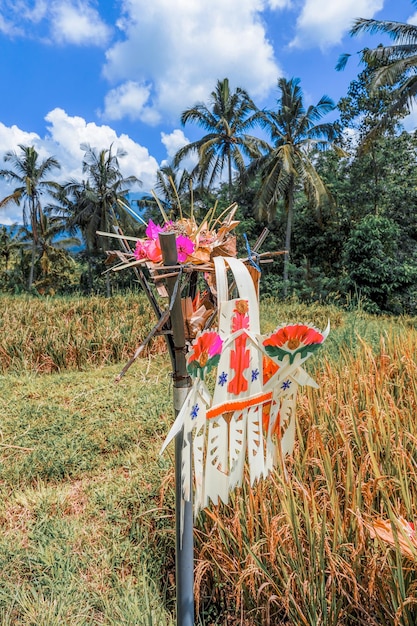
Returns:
(68, 133)
(8, 28)
(23, 11)
(173, 142)
(412, 19)
(323, 23)
(279, 4)
(11, 137)
(68, 21)
(77, 23)
(178, 50)
(63, 140)
(129, 100)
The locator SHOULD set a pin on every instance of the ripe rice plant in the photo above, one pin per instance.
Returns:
(297, 548)
(45, 335)
(87, 506)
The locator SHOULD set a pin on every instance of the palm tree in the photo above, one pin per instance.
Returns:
(172, 190)
(226, 119)
(29, 173)
(98, 203)
(51, 248)
(393, 65)
(288, 161)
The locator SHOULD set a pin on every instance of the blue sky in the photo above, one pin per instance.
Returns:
(121, 72)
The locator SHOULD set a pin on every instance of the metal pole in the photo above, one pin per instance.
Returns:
(184, 545)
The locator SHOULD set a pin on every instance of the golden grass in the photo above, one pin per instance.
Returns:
(45, 335)
(86, 503)
(298, 549)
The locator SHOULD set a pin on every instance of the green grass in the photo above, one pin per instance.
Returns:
(80, 477)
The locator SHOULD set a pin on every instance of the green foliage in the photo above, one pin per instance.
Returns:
(29, 174)
(372, 261)
(363, 105)
(312, 202)
(392, 67)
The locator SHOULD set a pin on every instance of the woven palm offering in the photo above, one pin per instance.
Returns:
(240, 409)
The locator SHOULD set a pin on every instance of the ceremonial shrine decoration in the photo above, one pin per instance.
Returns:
(234, 390)
(240, 408)
(247, 413)
(196, 244)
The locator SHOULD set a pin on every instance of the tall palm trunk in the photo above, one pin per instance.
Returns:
(34, 229)
(32, 266)
(229, 168)
(289, 205)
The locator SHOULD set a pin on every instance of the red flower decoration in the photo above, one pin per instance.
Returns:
(292, 340)
(140, 251)
(153, 230)
(205, 353)
(153, 250)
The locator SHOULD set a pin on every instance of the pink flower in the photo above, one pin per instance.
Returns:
(140, 251)
(153, 230)
(153, 250)
(185, 247)
(205, 353)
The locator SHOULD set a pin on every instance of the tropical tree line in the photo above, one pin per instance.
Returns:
(58, 219)
(338, 197)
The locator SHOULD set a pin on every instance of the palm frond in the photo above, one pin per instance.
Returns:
(397, 31)
(342, 61)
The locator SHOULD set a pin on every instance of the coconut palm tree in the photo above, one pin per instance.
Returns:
(52, 249)
(391, 65)
(98, 203)
(227, 118)
(287, 164)
(172, 192)
(30, 175)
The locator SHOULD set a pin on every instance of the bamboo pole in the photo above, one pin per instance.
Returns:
(184, 544)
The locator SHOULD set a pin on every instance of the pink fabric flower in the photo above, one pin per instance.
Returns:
(205, 353)
(185, 247)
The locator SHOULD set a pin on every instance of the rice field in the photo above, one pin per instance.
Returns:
(44, 335)
(86, 502)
